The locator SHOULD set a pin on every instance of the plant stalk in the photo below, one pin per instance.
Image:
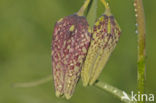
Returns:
(120, 94)
(140, 19)
(83, 8)
(33, 83)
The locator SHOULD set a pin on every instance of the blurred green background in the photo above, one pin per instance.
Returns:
(26, 28)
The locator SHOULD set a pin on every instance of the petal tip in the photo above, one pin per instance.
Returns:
(58, 94)
(68, 96)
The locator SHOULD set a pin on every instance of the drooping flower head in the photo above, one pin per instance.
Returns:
(105, 35)
(70, 43)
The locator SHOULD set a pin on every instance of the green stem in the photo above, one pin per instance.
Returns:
(83, 8)
(33, 83)
(122, 95)
(140, 19)
(105, 4)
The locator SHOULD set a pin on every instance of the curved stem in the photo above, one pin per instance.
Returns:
(33, 83)
(140, 18)
(107, 11)
(122, 95)
(83, 8)
(105, 4)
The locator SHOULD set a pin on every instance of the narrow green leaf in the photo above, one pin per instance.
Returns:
(91, 16)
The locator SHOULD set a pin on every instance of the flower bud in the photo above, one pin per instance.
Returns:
(70, 43)
(105, 35)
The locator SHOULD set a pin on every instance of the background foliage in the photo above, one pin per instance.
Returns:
(26, 28)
